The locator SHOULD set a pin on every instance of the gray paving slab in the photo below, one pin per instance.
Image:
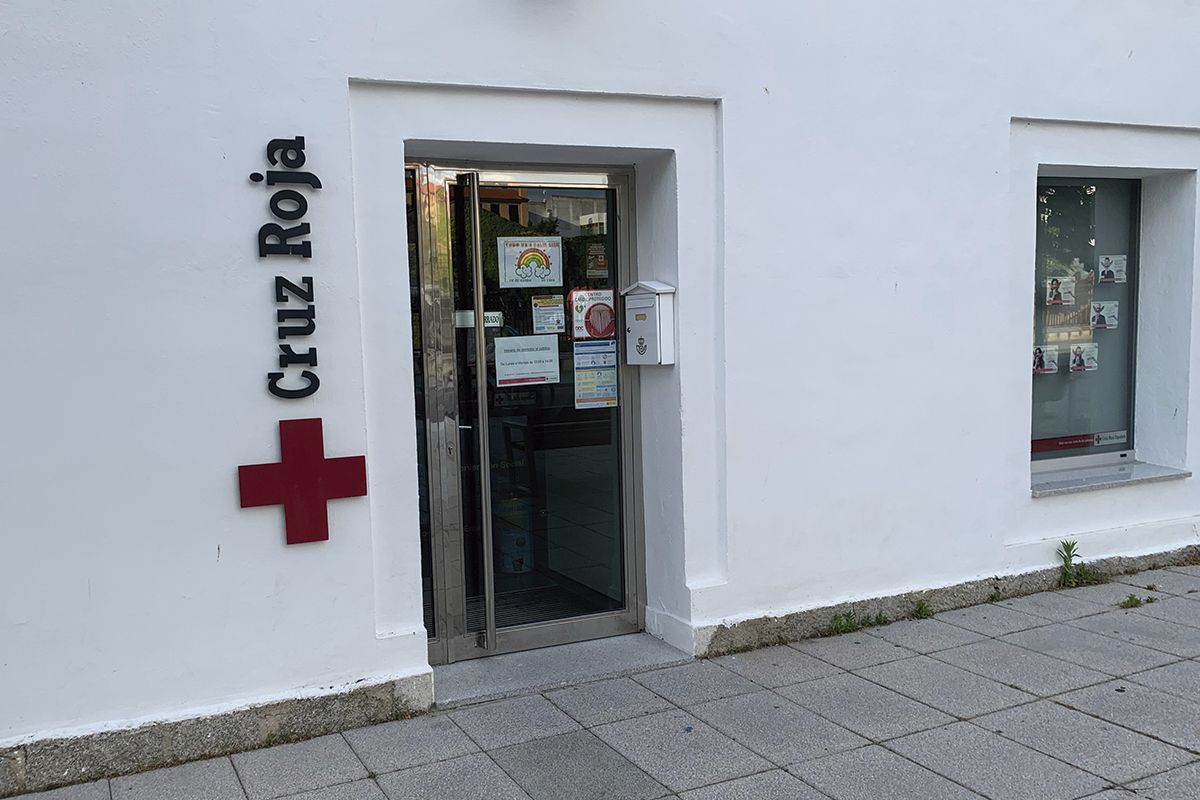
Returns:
(697, 682)
(213, 779)
(1138, 629)
(680, 751)
(409, 743)
(576, 765)
(853, 650)
(1054, 606)
(499, 723)
(995, 767)
(97, 790)
(773, 785)
(1178, 784)
(991, 619)
(604, 701)
(550, 668)
(1112, 752)
(299, 767)
(1092, 650)
(1112, 794)
(358, 790)
(864, 707)
(1181, 610)
(1163, 716)
(1181, 679)
(944, 686)
(1186, 569)
(776, 728)
(1164, 580)
(873, 773)
(1020, 668)
(926, 635)
(1110, 594)
(473, 776)
(777, 666)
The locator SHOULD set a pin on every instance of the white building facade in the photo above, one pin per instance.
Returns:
(856, 211)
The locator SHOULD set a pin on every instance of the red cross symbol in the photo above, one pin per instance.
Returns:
(302, 481)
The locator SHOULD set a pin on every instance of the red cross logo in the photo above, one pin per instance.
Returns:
(303, 481)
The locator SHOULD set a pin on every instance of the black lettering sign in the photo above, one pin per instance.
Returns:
(290, 205)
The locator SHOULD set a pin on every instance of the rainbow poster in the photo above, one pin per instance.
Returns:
(529, 261)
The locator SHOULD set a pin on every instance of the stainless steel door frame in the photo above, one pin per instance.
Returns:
(453, 642)
(441, 407)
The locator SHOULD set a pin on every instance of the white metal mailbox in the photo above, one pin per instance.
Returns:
(649, 323)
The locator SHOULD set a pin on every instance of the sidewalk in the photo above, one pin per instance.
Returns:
(1048, 697)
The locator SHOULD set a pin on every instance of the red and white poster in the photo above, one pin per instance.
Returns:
(593, 315)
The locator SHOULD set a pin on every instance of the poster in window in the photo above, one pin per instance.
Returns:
(1112, 269)
(1085, 357)
(529, 261)
(1104, 315)
(1045, 359)
(1060, 291)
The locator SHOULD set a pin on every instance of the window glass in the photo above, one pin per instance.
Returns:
(1085, 317)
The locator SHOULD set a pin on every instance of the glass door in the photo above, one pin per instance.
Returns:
(524, 512)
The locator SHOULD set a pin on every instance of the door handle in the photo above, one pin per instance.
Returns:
(465, 427)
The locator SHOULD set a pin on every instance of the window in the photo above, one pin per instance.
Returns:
(1085, 318)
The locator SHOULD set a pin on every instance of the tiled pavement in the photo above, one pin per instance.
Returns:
(1050, 697)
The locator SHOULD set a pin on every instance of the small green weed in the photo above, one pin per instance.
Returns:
(1074, 572)
(880, 619)
(995, 596)
(843, 623)
(1151, 599)
(922, 610)
(1132, 601)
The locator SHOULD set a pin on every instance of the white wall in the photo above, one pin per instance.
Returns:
(860, 169)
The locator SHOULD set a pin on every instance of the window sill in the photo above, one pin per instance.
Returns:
(1087, 479)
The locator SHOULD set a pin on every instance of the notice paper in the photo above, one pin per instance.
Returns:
(549, 316)
(530, 261)
(526, 359)
(596, 374)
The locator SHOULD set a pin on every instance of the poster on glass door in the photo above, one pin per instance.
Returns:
(1104, 315)
(593, 314)
(527, 261)
(523, 360)
(596, 374)
(549, 315)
